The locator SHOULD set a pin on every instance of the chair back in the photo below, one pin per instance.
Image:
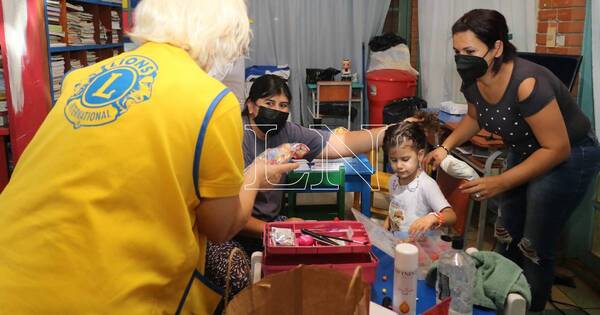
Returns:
(334, 91)
(460, 202)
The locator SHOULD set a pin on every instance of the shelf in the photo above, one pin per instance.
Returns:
(98, 2)
(83, 47)
(3, 131)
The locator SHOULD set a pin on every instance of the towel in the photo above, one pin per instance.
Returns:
(458, 169)
(497, 276)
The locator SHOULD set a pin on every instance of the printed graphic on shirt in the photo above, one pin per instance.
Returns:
(108, 94)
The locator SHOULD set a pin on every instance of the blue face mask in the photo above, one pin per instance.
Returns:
(267, 116)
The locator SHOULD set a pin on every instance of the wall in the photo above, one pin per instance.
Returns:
(560, 26)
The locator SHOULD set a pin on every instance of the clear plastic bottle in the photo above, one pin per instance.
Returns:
(456, 278)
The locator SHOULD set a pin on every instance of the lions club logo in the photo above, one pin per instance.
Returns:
(109, 93)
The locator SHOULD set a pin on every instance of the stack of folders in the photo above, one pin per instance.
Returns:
(74, 23)
(55, 30)
(91, 57)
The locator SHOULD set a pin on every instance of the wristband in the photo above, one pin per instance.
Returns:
(443, 147)
(440, 219)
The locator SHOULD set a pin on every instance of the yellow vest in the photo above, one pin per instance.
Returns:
(99, 216)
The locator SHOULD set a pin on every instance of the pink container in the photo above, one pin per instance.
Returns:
(330, 228)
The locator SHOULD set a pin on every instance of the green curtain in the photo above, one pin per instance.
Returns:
(586, 91)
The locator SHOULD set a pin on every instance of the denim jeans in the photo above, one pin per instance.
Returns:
(531, 216)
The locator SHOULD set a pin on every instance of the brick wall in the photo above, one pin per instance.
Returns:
(560, 26)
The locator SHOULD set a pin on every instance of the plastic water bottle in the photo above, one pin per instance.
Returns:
(456, 278)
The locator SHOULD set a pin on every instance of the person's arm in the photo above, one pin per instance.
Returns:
(254, 228)
(353, 142)
(466, 129)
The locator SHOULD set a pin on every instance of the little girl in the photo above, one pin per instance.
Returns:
(417, 204)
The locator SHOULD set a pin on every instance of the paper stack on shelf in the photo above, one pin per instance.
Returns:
(75, 64)
(3, 108)
(2, 84)
(87, 28)
(55, 30)
(74, 23)
(92, 57)
(58, 71)
(116, 25)
(103, 34)
(113, 1)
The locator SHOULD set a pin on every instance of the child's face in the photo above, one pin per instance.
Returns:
(405, 160)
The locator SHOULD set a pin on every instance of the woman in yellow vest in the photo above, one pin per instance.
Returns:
(138, 163)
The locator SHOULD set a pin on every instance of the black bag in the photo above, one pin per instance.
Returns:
(385, 41)
(398, 110)
(313, 74)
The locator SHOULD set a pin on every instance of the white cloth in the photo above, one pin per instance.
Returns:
(440, 81)
(418, 198)
(458, 169)
(397, 57)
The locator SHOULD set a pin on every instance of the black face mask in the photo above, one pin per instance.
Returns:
(267, 116)
(470, 68)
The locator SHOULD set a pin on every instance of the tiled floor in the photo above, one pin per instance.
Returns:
(582, 296)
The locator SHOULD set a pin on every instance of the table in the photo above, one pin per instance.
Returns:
(495, 145)
(425, 294)
(358, 171)
(312, 88)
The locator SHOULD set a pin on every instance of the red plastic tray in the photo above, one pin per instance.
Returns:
(346, 263)
(333, 228)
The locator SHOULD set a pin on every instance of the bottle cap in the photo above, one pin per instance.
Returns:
(407, 257)
(457, 241)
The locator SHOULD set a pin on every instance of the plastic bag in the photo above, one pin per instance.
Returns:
(284, 153)
(397, 57)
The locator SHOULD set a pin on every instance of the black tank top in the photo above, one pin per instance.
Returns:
(506, 118)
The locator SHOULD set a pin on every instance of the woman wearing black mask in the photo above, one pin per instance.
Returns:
(265, 126)
(553, 154)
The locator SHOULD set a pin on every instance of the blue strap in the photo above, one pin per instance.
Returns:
(201, 135)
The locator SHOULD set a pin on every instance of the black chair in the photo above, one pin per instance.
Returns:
(565, 67)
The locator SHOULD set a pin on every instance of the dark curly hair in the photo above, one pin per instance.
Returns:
(398, 134)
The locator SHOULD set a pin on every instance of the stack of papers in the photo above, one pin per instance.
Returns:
(80, 25)
(103, 33)
(58, 71)
(55, 30)
(116, 25)
(75, 63)
(91, 57)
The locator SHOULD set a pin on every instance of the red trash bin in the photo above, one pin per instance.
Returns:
(386, 85)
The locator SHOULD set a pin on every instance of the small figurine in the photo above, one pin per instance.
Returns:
(346, 71)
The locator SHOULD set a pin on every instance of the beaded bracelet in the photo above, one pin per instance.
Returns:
(440, 219)
(443, 147)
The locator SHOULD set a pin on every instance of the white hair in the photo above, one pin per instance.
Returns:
(213, 32)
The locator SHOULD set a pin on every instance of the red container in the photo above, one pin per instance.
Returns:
(386, 85)
(331, 228)
(344, 258)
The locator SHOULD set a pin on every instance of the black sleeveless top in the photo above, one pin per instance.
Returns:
(506, 118)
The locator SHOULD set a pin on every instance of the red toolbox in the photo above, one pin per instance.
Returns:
(344, 257)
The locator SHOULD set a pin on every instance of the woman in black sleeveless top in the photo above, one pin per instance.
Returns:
(553, 153)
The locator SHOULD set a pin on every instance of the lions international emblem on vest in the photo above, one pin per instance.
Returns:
(109, 93)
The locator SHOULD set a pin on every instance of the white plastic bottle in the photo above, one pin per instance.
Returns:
(456, 278)
(406, 263)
